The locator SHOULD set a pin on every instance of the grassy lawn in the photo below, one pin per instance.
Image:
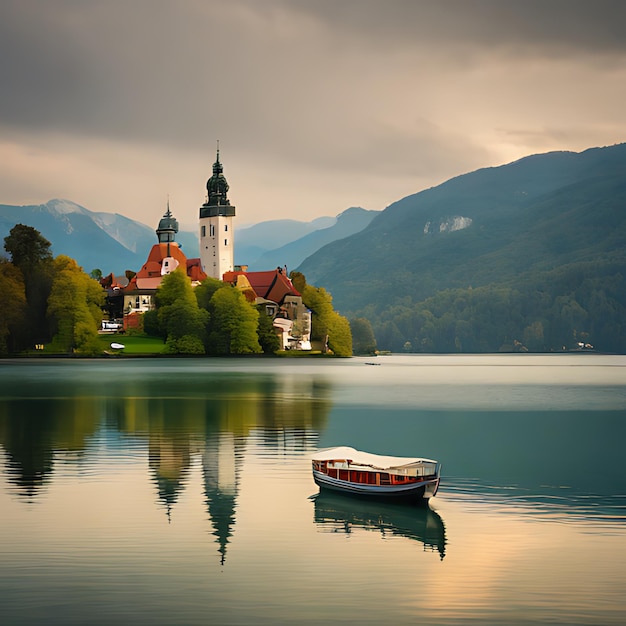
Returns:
(133, 344)
(144, 345)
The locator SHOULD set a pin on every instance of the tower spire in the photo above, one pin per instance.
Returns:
(216, 224)
(168, 226)
(216, 186)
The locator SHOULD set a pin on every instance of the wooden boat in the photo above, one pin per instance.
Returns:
(351, 471)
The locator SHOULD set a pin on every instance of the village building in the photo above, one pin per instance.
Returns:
(281, 301)
(135, 296)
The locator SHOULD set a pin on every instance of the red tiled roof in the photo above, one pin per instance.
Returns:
(195, 271)
(272, 285)
(114, 282)
(150, 283)
(149, 277)
(159, 252)
(132, 284)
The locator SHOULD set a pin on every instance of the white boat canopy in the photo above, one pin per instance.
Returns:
(376, 461)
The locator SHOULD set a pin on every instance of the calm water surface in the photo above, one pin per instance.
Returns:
(180, 491)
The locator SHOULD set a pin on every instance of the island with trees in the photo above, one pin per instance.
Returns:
(50, 305)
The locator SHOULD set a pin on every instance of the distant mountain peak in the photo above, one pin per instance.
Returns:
(352, 211)
(61, 207)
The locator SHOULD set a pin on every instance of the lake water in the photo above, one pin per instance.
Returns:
(179, 491)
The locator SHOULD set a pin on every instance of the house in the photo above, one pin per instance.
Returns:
(282, 302)
(164, 257)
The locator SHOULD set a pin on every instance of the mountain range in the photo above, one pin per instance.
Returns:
(535, 248)
(253, 241)
(493, 225)
(95, 240)
(294, 251)
(114, 243)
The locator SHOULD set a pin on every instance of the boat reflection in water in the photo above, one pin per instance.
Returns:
(336, 513)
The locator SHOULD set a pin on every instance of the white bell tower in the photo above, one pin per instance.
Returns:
(217, 250)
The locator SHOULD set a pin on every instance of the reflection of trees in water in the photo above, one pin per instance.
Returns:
(291, 417)
(343, 514)
(178, 420)
(34, 431)
(287, 440)
(236, 404)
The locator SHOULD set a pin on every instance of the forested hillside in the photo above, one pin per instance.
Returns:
(530, 255)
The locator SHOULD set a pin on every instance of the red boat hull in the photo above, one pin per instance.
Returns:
(421, 490)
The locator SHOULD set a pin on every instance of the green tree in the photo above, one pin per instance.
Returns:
(319, 301)
(74, 307)
(298, 280)
(205, 290)
(12, 303)
(339, 335)
(181, 320)
(151, 324)
(30, 252)
(363, 340)
(533, 337)
(268, 339)
(234, 323)
(328, 326)
(28, 248)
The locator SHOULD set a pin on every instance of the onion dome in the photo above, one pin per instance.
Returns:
(168, 227)
(217, 186)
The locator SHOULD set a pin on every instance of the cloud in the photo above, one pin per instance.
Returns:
(532, 26)
(318, 105)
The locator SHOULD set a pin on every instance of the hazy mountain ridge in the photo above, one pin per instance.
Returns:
(253, 241)
(107, 241)
(114, 243)
(292, 254)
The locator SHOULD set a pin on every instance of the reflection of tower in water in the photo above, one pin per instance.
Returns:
(221, 465)
(169, 458)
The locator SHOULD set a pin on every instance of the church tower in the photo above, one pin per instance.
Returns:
(168, 227)
(216, 225)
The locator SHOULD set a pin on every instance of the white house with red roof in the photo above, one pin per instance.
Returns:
(282, 301)
(164, 258)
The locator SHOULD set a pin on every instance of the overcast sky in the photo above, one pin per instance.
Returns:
(318, 105)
